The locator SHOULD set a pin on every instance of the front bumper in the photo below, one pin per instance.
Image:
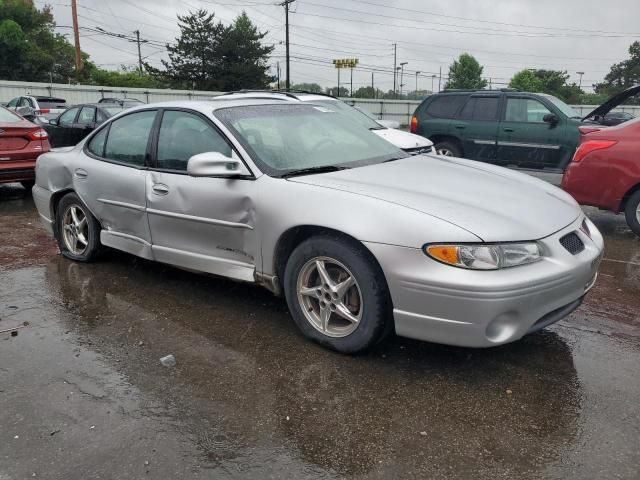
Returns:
(444, 304)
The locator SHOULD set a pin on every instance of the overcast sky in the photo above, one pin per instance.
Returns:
(504, 35)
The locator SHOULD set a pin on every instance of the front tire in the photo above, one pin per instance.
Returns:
(337, 294)
(632, 212)
(77, 230)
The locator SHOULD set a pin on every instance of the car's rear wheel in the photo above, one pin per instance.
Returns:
(28, 184)
(337, 294)
(632, 212)
(77, 230)
(448, 149)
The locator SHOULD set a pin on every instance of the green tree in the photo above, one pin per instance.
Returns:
(30, 50)
(128, 77)
(466, 73)
(526, 81)
(344, 92)
(622, 75)
(553, 82)
(307, 87)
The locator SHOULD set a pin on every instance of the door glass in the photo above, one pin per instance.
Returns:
(96, 144)
(13, 103)
(86, 115)
(525, 110)
(183, 135)
(67, 118)
(128, 138)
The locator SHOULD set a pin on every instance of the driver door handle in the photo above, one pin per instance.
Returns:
(460, 126)
(80, 173)
(508, 129)
(160, 189)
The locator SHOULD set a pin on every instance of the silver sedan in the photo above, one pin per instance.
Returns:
(360, 238)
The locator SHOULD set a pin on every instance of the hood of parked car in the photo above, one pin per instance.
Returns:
(613, 102)
(403, 140)
(494, 203)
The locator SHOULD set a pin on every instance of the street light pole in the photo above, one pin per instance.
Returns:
(415, 94)
(285, 4)
(402, 64)
(433, 77)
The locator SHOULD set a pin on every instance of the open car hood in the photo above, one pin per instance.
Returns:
(613, 102)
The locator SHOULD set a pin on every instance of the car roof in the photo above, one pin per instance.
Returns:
(291, 95)
(206, 106)
(41, 98)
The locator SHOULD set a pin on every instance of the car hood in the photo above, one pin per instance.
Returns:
(493, 203)
(403, 140)
(613, 102)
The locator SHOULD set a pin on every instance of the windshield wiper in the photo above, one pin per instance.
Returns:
(312, 170)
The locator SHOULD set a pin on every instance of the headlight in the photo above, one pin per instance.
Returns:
(485, 257)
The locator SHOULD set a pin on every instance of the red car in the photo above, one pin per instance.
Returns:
(21, 142)
(605, 171)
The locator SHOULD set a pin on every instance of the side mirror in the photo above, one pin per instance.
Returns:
(215, 164)
(25, 111)
(53, 121)
(550, 118)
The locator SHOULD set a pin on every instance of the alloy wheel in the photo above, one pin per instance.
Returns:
(445, 152)
(75, 229)
(329, 297)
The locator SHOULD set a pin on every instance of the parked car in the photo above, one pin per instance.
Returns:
(605, 171)
(20, 144)
(359, 236)
(616, 118)
(506, 127)
(123, 102)
(408, 142)
(38, 109)
(77, 122)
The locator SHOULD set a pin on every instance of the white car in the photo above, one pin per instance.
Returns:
(38, 108)
(409, 142)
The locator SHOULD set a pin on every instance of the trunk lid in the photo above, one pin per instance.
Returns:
(613, 102)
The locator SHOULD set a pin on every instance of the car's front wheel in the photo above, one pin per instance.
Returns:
(77, 230)
(632, 212)
(337, 294)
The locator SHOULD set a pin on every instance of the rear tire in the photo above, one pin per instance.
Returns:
(77, 230)
(28, 184)
(350, 310)
(448, 149)
(632, 212)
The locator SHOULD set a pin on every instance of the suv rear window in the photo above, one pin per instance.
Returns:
(445, 106)
(480, 108)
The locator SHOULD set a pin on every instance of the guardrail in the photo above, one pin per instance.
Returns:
(398, 110)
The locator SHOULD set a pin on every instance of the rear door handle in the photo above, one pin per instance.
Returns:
(508, 130)
(160, 189)
(80, 173)
(460, 127)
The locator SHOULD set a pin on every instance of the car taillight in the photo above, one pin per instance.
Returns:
(413, 127)
(43, 110)
(39, 134)
(589, 146)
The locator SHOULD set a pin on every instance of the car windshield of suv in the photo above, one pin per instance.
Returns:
(563, 107)
(287, 138)
(351, 112)
(8, 117)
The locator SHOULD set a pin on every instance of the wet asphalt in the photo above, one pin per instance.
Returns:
(83, 394)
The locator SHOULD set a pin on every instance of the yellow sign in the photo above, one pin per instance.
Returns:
(346, 63)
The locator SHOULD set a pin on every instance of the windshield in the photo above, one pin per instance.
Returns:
(9, 117)
(351, 112)
(289, 137)
(563, 107)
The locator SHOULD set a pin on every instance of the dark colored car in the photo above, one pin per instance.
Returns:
(123, 102)
(605, 171)
(77, 122)
(21, 142)
(616, 118)
(506, 127)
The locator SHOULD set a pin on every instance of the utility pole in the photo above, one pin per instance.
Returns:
(278, 72)
(440, 81)
(373, 88)
(395, 68)
(137, 32)
(433, 77)
(351, 95)
(415, 93)
(76, 36)
(580, 84)
(338, 94)
(286, 4)
(402, 64)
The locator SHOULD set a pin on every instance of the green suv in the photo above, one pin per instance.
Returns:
(505, 127)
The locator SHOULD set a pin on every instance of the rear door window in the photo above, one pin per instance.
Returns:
(68, 117)
(128, 138)
(445, 106)
(480, 108)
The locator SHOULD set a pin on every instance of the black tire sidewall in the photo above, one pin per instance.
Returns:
(449, 146)
(93, 242)
(373, 287)
(630, 212)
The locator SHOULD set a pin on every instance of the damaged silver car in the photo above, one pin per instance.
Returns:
(360, 238)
